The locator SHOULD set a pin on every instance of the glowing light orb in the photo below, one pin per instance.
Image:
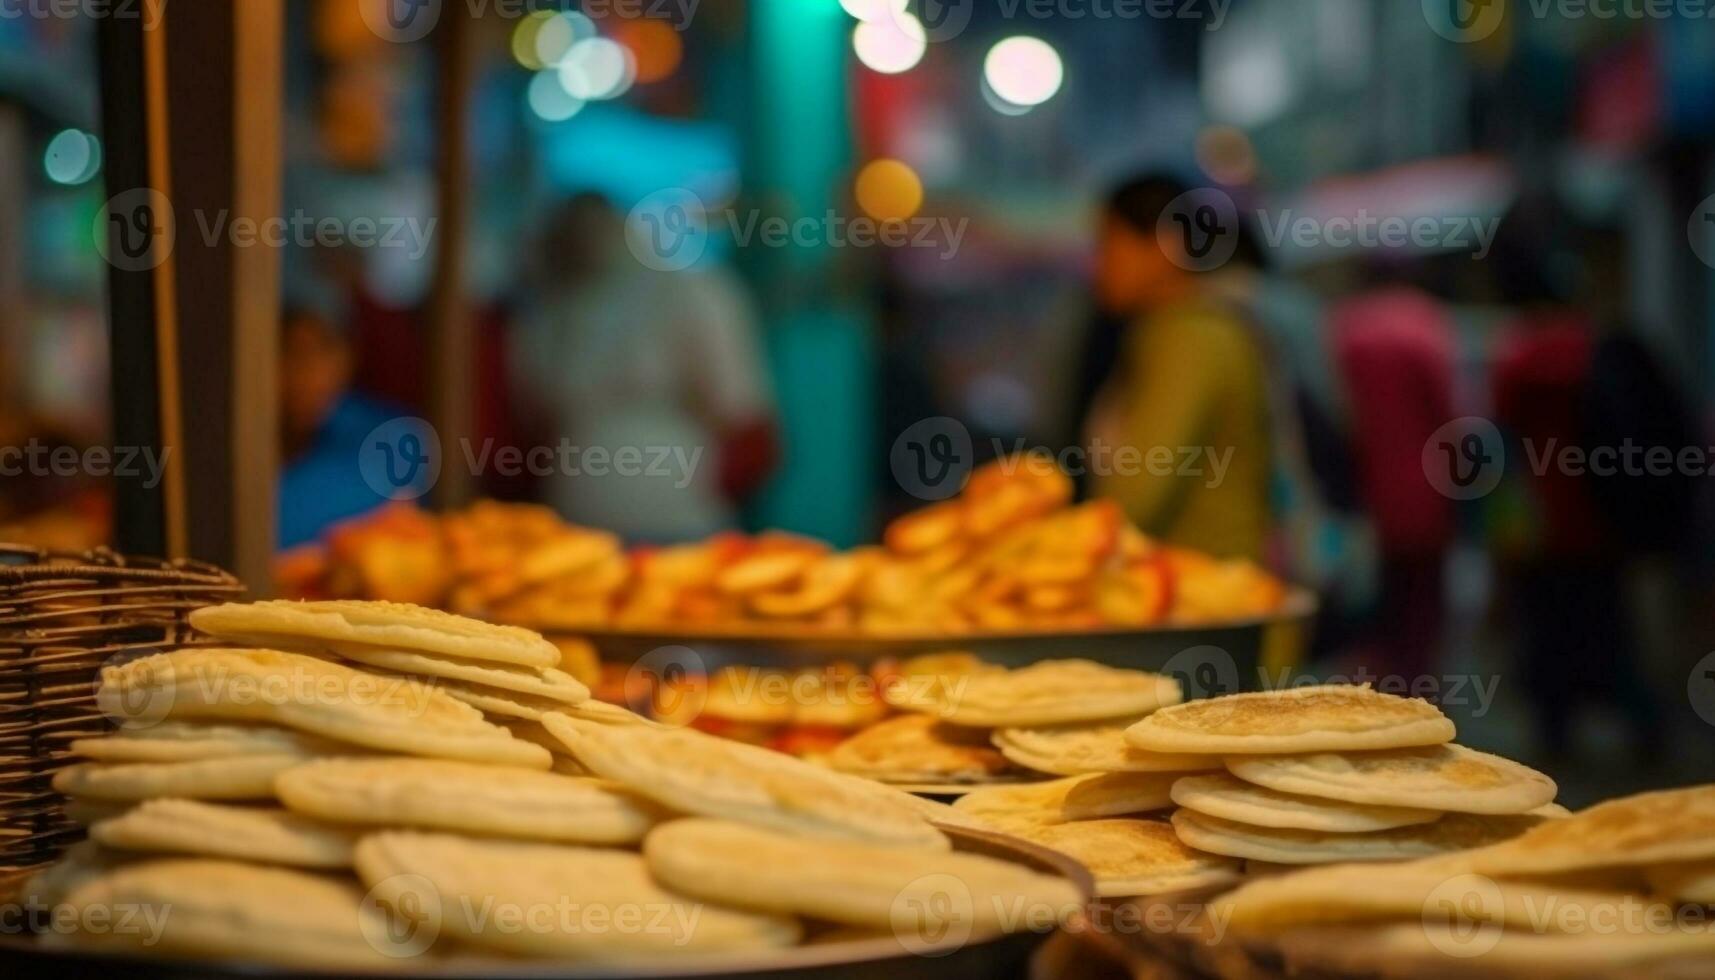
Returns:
(656, 48)
(597, 68)
(549, 99)
(73, 157)
(889, 190)
(1025, 71)
(873, 9)
(890, 45)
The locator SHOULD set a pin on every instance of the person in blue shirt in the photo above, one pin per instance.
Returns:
(323, 425)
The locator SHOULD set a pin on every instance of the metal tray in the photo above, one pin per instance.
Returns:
(867, 958)
(1208, 658)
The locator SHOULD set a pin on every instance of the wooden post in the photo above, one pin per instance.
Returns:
(452, 347)
(192, 108)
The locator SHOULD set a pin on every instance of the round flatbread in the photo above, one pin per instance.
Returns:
(1453, 832)
(1693, 884)
(267, 836)
(241, 777)
(78, 865)
(1073, 798)
(1435, 777)
(857, 884)
(206, 909)
(1665, 827)
(503, 896)
(309, 694)
(1230, 798)
(461, 796)
(691, 772)
(184, 741)
(919, 749)
(384, 625)
(1052, 692)
(547, 683)
(1419, 951)
(1413, 890)
(1327, 718)
(1133, 857)
(1076, 750)
(501, 704)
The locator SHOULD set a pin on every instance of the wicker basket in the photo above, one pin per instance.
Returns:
(62, 618)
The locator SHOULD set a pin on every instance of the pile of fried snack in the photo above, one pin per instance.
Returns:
(353, 785)
(1008, 554)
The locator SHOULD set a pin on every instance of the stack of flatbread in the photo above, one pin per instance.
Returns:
(339, 799)
(1323, 774)
(1091, 797)
(1622, 889)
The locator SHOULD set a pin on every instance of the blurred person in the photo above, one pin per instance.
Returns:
(661, 366)
(1189, 379)
(1561, 555)
(323, 423)
(1393, 344)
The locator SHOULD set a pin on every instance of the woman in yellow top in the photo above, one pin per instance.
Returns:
(1179, 432)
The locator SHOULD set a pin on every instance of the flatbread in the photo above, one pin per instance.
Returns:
(1075, 750)
(1436, 777)
(78, 865)
(1072, 798)
(185, 741)
(1230, 798)
(1326, 718)
(461, 796)
(266, 836)
(1133, 857)
(206, 909)
(1414, 891)
(501, 704)
(388, 625)
(507, 896)
(1665, 827)
(1693, 884)
(243, 777)
(694, 773)
(1453, 832)
(919, 749)
(308, 694)
(548, 683)
(1052, 692)
(915, 894)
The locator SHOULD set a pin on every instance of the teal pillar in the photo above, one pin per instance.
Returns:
(798, 167)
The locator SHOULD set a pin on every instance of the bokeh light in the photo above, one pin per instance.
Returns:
(524, 38)
(549, 99)
(1225, 153)
(597, 68)
(999, 104)
(890, 45)
(889, 190)
(656, 48)
(873, 9)
(1025, 71)
(559, 34)
(73, 157)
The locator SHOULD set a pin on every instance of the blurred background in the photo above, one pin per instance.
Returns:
(1438, 262)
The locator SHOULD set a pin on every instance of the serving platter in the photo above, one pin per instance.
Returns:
(830, 954)
(1210, 658)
